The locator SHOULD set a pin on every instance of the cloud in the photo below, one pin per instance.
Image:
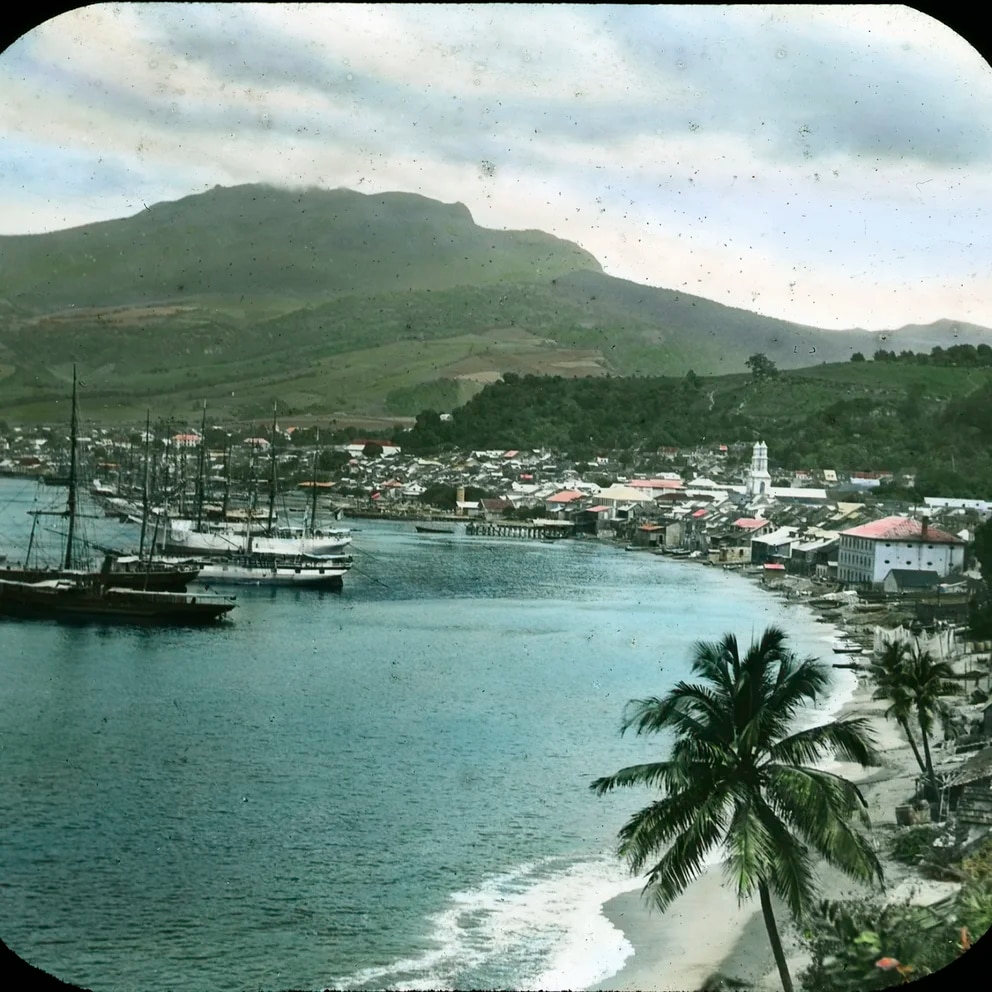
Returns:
(722, 149)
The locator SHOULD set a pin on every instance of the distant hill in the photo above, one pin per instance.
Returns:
(258, 241)
(332, 300)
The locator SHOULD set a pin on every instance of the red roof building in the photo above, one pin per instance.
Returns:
(565, 496)
(902, 529)
(866, 554)
(750, 523)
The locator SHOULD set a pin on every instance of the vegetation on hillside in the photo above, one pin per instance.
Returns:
(334, 301)
(809, 418)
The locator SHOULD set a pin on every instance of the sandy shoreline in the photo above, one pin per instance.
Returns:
(705, 933)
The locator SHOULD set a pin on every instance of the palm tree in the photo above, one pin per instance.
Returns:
(736, 776)
(888, 673)
(926, 682)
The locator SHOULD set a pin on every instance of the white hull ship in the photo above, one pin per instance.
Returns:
(184, 539)
(265, 570)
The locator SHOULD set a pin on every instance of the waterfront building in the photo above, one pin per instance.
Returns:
(867, 554)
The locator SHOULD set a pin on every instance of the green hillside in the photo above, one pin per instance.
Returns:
(850, 417)
(251, 242)
(334, 301)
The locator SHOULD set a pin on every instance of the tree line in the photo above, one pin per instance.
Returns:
(960, 355)
(945, 444)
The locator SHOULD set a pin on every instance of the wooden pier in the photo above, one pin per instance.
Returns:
(535, 530)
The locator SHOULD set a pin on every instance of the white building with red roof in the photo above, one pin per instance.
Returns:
(867, 554)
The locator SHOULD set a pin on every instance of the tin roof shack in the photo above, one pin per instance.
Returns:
(811, 558)
(772, 572)
(907, 581)
(648, 536)
(593, 520)
(773, 547)
(969, 793)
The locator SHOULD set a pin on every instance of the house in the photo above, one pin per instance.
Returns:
(813, 557)
(649, 535)
(622, 499)
(980, 506)
(557, 503)
(752, 525)
(494, 508)
(185, 440)
(868, 553)
(901, 581)
(357, 447)
(795, 494)
(969, 792)
(657, 487)
(773, 546)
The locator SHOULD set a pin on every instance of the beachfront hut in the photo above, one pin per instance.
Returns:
(969, 791)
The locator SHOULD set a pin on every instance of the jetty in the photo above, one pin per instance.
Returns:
(540, 530)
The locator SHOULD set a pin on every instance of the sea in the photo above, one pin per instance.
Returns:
(386, 787)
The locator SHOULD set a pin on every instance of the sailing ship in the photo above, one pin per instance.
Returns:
(262, 568)
(79, 595)
(127, 571)
(195, 537)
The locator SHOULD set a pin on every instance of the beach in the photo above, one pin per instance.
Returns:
(705, 935)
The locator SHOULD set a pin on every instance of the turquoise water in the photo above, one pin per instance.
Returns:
(378, 788)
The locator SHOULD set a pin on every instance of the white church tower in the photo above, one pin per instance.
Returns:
(759, 482)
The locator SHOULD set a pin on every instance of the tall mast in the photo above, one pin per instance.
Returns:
(313, 487)
(251, 500)
(272, 483)
(144, 490)
(71, 506)
(199, 468)
(152, 487)
(227, 480)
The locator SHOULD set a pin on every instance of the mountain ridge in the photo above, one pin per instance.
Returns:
(344, 298)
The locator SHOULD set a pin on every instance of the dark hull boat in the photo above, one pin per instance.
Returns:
(98, 596)
(88, 600)
(125, 573)
(433, 530)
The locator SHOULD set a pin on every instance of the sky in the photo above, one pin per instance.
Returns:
(830, 165)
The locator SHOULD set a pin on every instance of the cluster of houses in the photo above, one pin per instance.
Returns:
(706, 509)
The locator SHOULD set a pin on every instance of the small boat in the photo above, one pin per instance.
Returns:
(434, 530)
(844, 646)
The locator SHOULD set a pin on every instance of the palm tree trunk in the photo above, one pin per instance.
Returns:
(773, 938)
(931, 774)
(907, 730)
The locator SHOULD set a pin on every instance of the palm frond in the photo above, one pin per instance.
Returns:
(850, 740)
(683, 710)
(749, 849)
(791, 869)
(715, 662)
(818, 806)
(649, 831)
(683, 861)
(655, 773)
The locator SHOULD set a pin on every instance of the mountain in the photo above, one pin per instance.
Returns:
(258, 241)
(333, 300)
